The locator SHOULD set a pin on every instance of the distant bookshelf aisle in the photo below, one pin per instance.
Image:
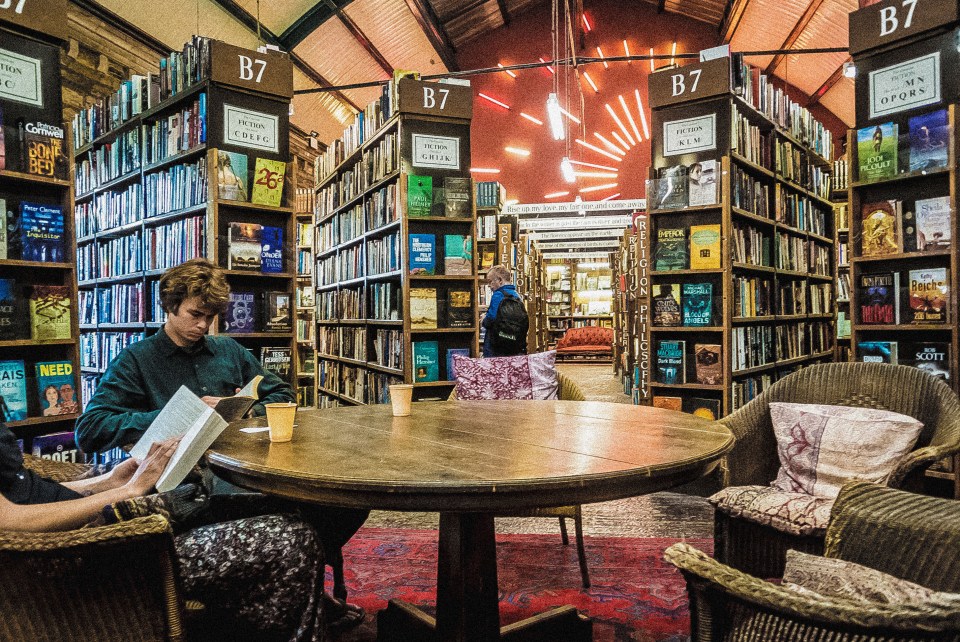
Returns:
(578, 295)
(39, 359)
(742, 236)
(395, 280)
(305, 302)
(186, 162)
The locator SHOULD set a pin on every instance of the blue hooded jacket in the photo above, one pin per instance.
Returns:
(504, 290)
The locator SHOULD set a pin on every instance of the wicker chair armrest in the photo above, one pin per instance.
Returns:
(753, 460)
(568, 390)
(740, 591)
(139, 527)
(58, 471)
(917, 461)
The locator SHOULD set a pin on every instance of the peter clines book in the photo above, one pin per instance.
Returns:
(41, 232)
(268, 182)
(877, 152)
(57, 388)
(49, 312)
(929, 295)
(13, 391)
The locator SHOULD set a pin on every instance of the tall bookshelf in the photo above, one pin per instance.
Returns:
(906, 100)
(630, 311)
(34, 170)
(840, 179)
(756, 282)
(530, 277)
(305, 356)
(367, 218)
(148, 165)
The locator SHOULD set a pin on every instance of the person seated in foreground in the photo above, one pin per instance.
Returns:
(258, 577)
(145, 375)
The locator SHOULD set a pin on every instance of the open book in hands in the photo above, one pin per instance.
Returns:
(199, 424)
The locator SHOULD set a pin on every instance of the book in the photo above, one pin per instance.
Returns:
(671, 249)
(457, 191)
(12, 319)
(276, 312)
(451, 353)
(932, 357)
(187, 416)
(12, 228)
(44, 150)
(419, 195)
(57, 388)
(929, 138)
(933, 224)
(881, 228)
(669, 403)
(488, 255)
(3, 223)
(705, 247)
(423, 308)
(459, 309)
(271, 249)
(268, 182)
(50, 312)
(438, 207)
(706, 408)
(878, 351)
(671, 362)
(59, 446)
(244, 247)
(929, 295)
(880, 299)
(666, 305)
(41, 232)
(231, 176)
(240, 314)
(457, 255)
(877, 152)
(426, 365)
(697, 302)
(278, 360)
(702, 183)
(13, 390)
(709, 363)
(672, 188)
(423, 254)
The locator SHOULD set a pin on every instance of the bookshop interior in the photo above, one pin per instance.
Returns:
(312, 311)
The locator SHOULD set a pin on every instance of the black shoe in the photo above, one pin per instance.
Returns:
(341, 615)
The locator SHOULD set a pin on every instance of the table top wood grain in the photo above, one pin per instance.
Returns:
(473, 456)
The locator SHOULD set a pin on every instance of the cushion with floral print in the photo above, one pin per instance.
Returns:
(794, 513)
(524, 376)
(821, 447)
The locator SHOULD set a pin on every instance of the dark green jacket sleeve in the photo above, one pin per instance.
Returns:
(111, 418)
(272, 389)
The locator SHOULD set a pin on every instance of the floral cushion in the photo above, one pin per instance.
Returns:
(821, 447)
(794, 513)
(593, 336)
(525, 376)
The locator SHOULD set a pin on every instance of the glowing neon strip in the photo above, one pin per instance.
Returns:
(610, 145)
(643, 117)
(533, 120)
(509, 72)
(597, 188)
(633, 125)
(616, 118)
(493, 100)
(597, 149)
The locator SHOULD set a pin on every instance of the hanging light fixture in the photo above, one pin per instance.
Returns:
(566, 168)
(555, 117)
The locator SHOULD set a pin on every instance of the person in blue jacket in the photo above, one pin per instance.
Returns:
(500, 280)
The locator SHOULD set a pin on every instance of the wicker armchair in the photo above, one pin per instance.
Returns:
(115, 582)
(569, 391)
(761, 550)
(909, 536)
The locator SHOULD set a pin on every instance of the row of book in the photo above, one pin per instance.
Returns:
(234, 182)
(795, 165)
(109, 210)
(888, 227)
(248, 312)
(177, 133)
(49, 390)
(671, 363)
(457, 255)
(347, 342)
(801, 212)
(928, 297)
(883, 151)
(304, 200)
(452, 199)
(689, 304)
(32, 231)
(356, 383)
(427, 365)
(680, 186)
(255, 248)
(108, 162)
(674, 252)
(36, 312)
(697, 406)
(98, 349)
(430, 306)
(118, 303)
(932, 357)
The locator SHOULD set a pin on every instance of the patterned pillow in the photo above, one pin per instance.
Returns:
(795, 513)
(822, 447)
(524, 376)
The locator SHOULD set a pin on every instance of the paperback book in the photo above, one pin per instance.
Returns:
(244, 247)
(705, 247)
(457, 255)
(240, 315)
(278, 360)
(231, 176)
(41, 232)
(933, 357)
(933, 224)
(13, 391)
(457, 196)
(668, 403)
(268, 182)
(423, 308)
(666, 305)
(880, 299)
(57, 387)
(877, 152)
(12, 319)
(671, 362)
(423, 254)
(276, 312)
(459, 309)
(929, 295)
(881, 229)
(672, 187)
(702, 189)
(697, 303)
(419, 195)
(709, 363)
(929, 138)
(426, 364)
(671, 250)
(451, 354)
(271, 249)
(44, 150)
(878, 352)
(706, 408)
(50, 312)
(60, 446)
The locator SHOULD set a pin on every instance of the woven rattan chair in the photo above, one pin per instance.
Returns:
(909, 536)
(569, 391)
(115, 582)
(761, 550)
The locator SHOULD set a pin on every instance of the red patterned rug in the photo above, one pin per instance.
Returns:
(635, 596)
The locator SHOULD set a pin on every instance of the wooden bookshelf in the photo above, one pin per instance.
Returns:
(305, 322)
(363, 230)
(763, 174)
(25, 178)
(630, 312)
(840, 180)
(916, 179)
(158, 204)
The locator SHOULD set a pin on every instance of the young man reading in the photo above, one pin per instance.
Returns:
(144, 376)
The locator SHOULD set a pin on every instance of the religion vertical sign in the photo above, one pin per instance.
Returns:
(641, 379)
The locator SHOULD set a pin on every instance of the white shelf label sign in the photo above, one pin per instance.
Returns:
(690, 135)
(251, 129)
(906, 85)
(440, 152)
(20, 78)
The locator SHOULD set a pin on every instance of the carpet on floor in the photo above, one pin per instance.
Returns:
(635, 595)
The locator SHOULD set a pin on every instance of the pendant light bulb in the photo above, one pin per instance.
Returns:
(555, 117)
(566, 169)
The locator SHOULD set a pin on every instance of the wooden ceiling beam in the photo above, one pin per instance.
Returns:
(425, 16)
(827, 85)
(661, 5)
(733, 14)
(361, 37)
(794, 34)
(504, 12)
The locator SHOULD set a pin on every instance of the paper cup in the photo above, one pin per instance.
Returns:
(280, 417)
(401, 396)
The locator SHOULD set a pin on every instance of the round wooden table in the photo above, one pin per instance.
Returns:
(470, 460)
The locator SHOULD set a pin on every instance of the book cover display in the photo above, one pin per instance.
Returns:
(278, 361)
(877, 152)
(880, 298)
(459, 309)
(705, 247)
(244, 247)
(672, 188)
(44, 150)
(423, 308)
(671, 250)
(12, 319)
(933, 357)
(426, 361)
(702, 189)
(878, 352)
(41, 232)
(451, 353)
(671, 362)
(271, 249)
(457, 255)
(231, 176)
(933, 224)
(929, 295)
(709, 363)
(666, 305)
(423, 254)
(60, 446)
(881, 229)
(240, 314)
(268, 182)
(457, 196)
(13, 391)
(929, 139)
(57, 388)
(49, 312)
(276, 312)
(668, 403)
(697, 303)
(419, 195)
